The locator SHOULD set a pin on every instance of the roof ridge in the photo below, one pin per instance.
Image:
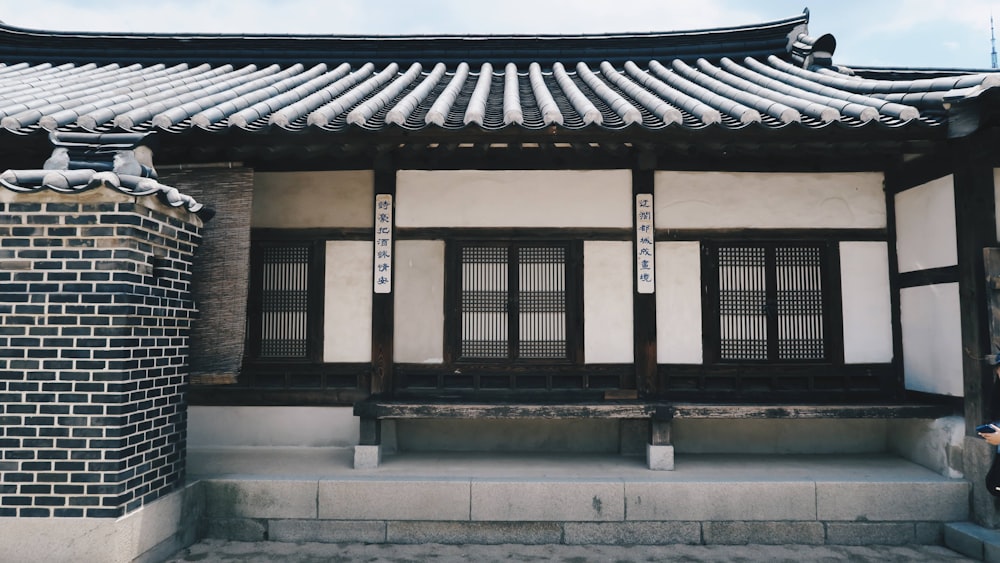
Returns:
(801, 19)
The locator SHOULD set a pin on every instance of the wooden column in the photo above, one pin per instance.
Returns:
(382, 303)
(643, 304)
(976, 229)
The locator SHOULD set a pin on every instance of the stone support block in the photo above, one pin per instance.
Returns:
(660, 458)
(367, 457)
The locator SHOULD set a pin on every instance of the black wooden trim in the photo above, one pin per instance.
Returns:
(532, 234)
(904, 175)
(894, 291)
(748, 383)
(930, 276)
(975, 221)
(643, 304)
(316, 299)
(548, 380)
(834, 298)
(660, 411)
(228, 395)
(764, 235)
(382, 303)
(254, 305)
(319, 233)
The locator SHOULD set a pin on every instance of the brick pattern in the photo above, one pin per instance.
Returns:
(95, 312)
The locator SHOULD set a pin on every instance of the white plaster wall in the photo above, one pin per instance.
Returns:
(513, 198)
(730, 200)
(678, 303)
(867, 305)
(313, 199)
(607, 302)
(925, 226)
(271, 426)
(932, 339)
(347, 318)
(418, 331)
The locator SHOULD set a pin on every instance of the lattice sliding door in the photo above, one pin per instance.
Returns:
(513, 302)
(282, 309)
(771, 303)
(800, 303)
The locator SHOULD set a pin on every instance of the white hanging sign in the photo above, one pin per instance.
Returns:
(644, 247)
(383, 243)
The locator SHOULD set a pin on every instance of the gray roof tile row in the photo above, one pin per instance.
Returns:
(605, 86)
(673, 93)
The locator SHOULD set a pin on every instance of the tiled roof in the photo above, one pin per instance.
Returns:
(83, 161)
(770, 76)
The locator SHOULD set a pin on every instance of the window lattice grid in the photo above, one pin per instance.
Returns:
(743, 327)
(800, 303)
(284, 302)
(485, 302)
(513, 302)
(542, 302)
(771, 303)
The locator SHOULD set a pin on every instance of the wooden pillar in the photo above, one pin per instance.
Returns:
(976, 229)
(382, 302)
(644, 303)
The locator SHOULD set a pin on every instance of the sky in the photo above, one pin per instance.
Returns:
(893, 33)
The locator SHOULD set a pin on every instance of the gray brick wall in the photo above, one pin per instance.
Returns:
(95, 315)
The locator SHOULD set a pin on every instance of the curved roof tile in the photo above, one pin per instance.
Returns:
(729, 78)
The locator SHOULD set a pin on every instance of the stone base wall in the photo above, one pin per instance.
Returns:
(95, 314)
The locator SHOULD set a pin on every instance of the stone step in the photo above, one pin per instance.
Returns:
(315, 495)
(974, 541)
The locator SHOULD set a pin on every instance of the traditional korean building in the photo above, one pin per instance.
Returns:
(618, 243)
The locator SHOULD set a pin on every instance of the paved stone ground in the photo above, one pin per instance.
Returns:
(216, 551)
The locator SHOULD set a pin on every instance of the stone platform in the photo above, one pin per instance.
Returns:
(314, 494)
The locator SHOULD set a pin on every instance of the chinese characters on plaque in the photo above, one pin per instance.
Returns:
(383, 243)
(644, 266)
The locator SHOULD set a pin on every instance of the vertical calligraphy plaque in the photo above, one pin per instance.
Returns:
(644, 247)
(383, 243)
